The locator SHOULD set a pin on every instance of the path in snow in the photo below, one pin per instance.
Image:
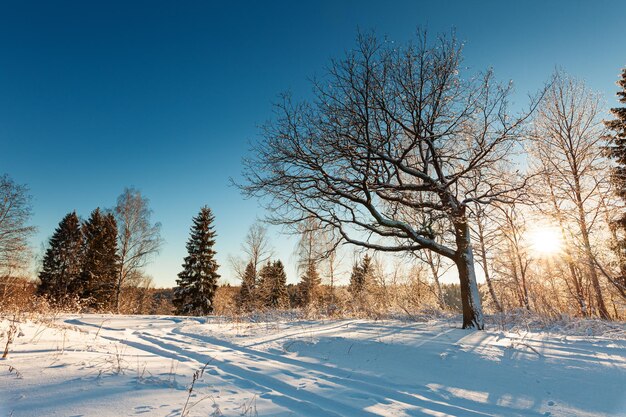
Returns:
(316, 368)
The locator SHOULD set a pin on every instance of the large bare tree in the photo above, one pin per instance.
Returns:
(392, 130)
(138, 237)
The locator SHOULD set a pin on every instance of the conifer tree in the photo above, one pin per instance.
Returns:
(273, 285)
(309, 284)
(245, 298)
(197, 283)
(63, 259)
(617, 140)
(96, 282)
(617, 151)
(360, 278)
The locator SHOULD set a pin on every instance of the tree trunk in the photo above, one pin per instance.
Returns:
(464, 260)
(591, 265)
(580, 298)
(602, 310)
(118, 291)
(492, 290)
(440, 299)
(578, 288)
(483, 256)
(331, 269)
(522, 270)
(513, 268)
(434, 269)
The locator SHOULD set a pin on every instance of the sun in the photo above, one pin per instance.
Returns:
(545, 241)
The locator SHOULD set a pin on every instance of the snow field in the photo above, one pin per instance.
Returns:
(102, 365)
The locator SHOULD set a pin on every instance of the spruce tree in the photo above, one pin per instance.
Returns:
(96, 283)
(617, 151)
(63, 259)
(273, 285)
(309, 284)
(360, 278)
(197, 283)
(245, 298)
(617, 140)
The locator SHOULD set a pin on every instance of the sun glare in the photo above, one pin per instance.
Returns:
(545, 241)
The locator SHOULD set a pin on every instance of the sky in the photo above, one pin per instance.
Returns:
(168, 96)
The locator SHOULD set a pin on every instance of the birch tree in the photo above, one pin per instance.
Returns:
(257, 246)
(15, 213)
(258, 250)
(138, 237)
(569, 142)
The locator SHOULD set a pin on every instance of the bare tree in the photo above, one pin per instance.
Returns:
(513, 228)
(317, 247)
(549, 204)
(138, 237)
(392, 131)
(309, 251)
(257, 251)
(309, 247)
(257, 246)
(436, 263)
(487, 239)
(569, 142)
(15, 212)
(331, 264)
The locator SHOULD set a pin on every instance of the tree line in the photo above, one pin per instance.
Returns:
(401, 152)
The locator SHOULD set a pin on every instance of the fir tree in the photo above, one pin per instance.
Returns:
(63, 260)
(617, 140)
(273, 285)
(197, 283)
(617, 151)
(96, 283)
(360, 278)
(245, 298)
(309, 284)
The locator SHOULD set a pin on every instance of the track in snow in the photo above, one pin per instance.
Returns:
(311, 369)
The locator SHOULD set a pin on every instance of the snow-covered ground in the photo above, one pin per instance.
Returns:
(96, 365)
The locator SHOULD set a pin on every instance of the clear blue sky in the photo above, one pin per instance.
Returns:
(165, 96)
